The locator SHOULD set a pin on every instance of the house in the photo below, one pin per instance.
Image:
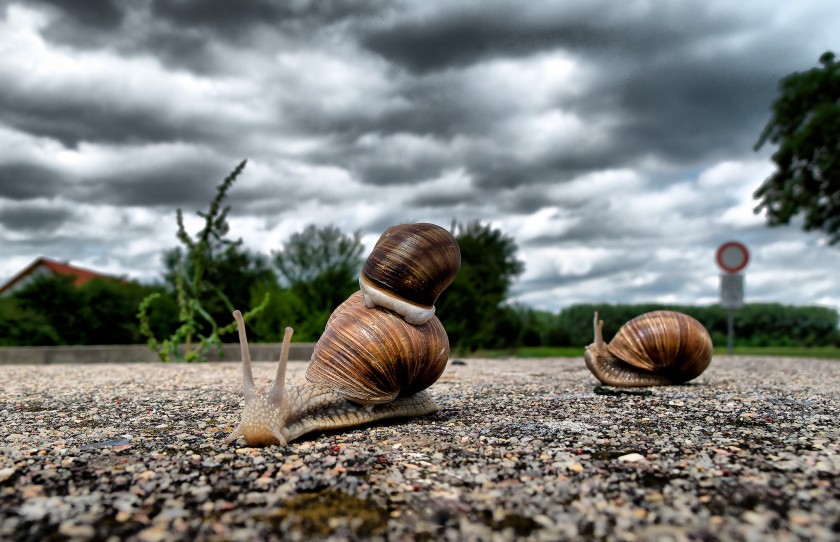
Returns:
(46, 267)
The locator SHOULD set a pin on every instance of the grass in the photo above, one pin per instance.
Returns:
(823, 352)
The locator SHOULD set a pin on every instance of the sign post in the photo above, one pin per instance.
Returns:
(732, 257)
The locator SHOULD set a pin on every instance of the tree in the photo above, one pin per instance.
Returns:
(315, 251)
(805, 124)
(320, 266)
(471, 308)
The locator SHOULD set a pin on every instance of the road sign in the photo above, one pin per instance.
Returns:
(732, 291)
(732, 256)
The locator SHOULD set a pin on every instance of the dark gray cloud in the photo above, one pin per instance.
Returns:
(186, 184)
(93, 14)
(444, 201)
(221, 16)
(231, 18)
(59, 246)
(34, 218)
(461, 34)
(684, 112)
(113, 26)
(188, 34)
(76, 117)
(23, 181)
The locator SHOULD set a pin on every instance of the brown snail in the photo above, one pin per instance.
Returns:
(370, 364)
(656, 348)
(408, 268)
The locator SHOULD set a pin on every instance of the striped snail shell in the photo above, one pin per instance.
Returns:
(371, 356)
(656, 348)
(408, 268)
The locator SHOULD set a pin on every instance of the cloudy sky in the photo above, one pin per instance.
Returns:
(612, 140)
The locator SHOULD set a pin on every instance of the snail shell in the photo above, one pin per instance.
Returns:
(656, 348)
(371, 356)
(408, 268)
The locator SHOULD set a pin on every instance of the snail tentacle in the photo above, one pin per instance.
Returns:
(249, 388)
(599, 331)
(276, 393)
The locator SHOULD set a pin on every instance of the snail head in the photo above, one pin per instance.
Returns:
(266, 410)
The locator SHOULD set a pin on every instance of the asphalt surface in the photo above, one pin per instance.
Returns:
(520, 450)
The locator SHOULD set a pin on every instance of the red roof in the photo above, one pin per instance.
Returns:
(55, 268)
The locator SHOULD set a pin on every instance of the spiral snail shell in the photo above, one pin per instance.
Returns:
(370, 364)
(371, 356)
(655, 348)
(408, 268)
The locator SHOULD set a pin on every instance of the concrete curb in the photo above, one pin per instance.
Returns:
(127, 353)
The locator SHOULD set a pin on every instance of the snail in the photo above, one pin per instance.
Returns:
(656, 348)
(408, 268)
(370, 364)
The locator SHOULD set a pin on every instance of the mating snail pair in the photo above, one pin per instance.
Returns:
(381, 348)
(384, 346)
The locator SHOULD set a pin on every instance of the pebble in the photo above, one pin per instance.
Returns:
(6, 473)
(520, 450)
(631, 458)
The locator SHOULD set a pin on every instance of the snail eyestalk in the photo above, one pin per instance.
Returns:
(276, 393)
(249, 388)
(599, 331)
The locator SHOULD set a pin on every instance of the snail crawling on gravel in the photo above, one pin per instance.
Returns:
(381, 348)
(656, 348)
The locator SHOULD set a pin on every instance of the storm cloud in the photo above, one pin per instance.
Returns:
(613, 142)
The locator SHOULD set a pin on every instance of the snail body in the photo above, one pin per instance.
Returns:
(655, 348)
(370, 364)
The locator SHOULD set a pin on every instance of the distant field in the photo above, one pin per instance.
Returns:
(824, 352)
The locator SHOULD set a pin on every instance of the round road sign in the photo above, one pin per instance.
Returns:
(732, 256)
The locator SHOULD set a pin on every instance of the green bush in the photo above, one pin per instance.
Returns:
(52, 311)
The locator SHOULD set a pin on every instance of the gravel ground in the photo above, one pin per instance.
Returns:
(521, 449)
